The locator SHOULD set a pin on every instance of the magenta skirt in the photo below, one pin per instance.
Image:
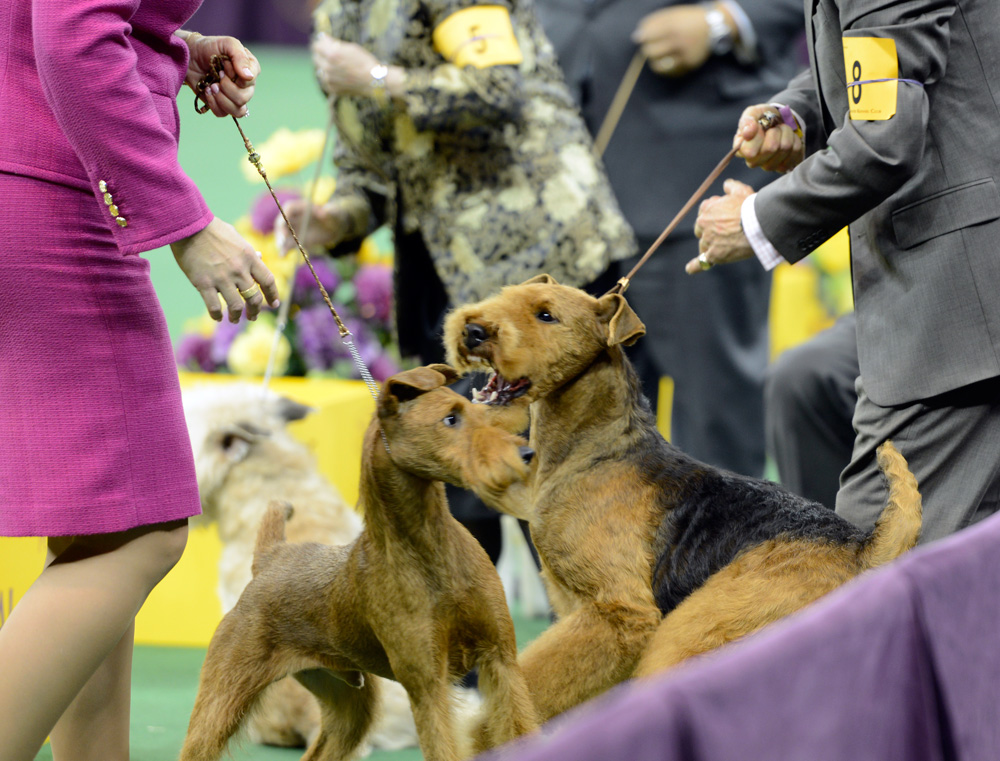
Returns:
(92, 432)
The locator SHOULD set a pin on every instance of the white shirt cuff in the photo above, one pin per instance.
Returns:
(746, 48)
(766, 253)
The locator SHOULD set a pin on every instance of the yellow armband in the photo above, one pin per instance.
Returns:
(480, 36)
(872, 71)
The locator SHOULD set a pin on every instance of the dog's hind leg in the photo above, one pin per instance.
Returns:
(589, 651)
(237, 668)
(346, 714)
(762, 585)
(287, 716)
(507, 711)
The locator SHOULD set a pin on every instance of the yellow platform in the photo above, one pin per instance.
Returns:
(184, 609)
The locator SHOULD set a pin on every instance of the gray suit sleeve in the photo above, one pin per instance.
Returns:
(865, 162)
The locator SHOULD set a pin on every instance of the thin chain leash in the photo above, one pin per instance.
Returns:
(213, 77)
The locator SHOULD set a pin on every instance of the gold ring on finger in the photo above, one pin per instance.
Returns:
(250, 292)
(703, 262)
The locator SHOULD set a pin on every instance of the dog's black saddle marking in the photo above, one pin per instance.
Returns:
(711, 516)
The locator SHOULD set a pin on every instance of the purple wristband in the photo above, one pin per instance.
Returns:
(789, 118)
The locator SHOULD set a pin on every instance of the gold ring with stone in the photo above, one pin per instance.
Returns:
(249, 292)
(703, 262)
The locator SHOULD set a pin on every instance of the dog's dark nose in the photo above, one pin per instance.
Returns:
(474, 335)
(527, 454)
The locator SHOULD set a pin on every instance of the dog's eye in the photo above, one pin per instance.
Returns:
(546, 316)
(451, 421)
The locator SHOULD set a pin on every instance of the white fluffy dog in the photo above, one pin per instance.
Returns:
(245, 458)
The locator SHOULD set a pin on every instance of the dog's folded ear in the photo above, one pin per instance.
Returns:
(624, 325)
(407, 385)
(238, 439)
(450, 373)
(546, 279)
(289, 409)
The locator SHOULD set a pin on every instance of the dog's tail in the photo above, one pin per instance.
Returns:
(898, 527)
(270, 533)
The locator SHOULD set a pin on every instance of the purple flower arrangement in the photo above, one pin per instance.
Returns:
(361, 290)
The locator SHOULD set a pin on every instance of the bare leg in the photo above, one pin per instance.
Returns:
(96, 724)
(72, 623)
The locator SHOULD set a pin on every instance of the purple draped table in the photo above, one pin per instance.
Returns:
(902, 664)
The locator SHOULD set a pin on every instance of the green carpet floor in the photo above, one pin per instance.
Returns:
(164, 684)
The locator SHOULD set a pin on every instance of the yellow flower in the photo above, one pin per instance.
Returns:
(251, 350)
(375, 250)
(285, 152)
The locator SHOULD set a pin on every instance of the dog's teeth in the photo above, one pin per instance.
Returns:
(494, 395)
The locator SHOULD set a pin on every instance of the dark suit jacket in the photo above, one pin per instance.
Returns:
(673, 132)
(919, 189)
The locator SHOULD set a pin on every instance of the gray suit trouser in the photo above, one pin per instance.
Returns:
(809, 402)
(952, 445)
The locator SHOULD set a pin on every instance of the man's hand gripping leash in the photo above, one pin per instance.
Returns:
(767, 120)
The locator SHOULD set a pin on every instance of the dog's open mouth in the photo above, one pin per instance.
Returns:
(498, 390)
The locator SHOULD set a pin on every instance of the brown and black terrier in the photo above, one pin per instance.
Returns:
(415, 598)
(648, 555)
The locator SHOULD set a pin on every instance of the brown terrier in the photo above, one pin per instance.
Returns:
(649, 556)
(246, 457)
(414, 598)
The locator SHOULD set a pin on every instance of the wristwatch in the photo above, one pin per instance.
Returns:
(378, 73)
(720, 37)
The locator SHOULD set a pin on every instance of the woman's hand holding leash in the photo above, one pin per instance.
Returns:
(218, 261)
(231, 94)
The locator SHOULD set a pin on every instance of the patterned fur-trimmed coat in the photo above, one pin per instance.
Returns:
(493, 167)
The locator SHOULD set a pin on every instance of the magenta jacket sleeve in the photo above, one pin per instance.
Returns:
(111, 71)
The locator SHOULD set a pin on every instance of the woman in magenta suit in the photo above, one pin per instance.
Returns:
(94, 453)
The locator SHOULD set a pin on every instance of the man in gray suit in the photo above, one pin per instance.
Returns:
(900, 113)
(706, 63)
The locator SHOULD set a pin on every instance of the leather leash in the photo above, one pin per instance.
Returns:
(618, 102)
(767, 121)
(214, 76)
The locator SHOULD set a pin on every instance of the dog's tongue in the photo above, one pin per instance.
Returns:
(498, 390)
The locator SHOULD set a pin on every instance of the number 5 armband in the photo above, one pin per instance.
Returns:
(480, 36)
